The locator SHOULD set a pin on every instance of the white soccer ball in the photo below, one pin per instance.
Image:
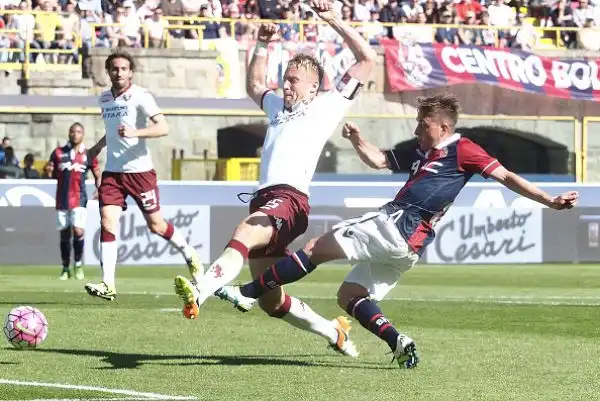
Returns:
(25, 327)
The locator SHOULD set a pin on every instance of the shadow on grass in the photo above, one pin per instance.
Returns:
(119, 360)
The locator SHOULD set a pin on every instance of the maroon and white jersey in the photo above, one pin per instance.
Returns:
(296, 137)
(132, 108)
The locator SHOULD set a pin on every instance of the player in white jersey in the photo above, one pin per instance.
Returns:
(126, 109)
(300, 123)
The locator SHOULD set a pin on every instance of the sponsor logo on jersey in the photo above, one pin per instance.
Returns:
(68, 166)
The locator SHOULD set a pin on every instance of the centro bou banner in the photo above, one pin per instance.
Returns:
(415, 66)
(335, 59)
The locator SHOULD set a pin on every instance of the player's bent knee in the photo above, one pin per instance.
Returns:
(79, 232)
(271, 303)
(256, 229)
(348, 291)
(270, 306)
(156, 228)
(108, 223)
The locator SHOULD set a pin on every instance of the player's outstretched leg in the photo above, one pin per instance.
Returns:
(290, 269)
(255, 231)
(278, 304)
(109, 223)
(167, 230)
(285, 271)
(370, 316)
(65, 253)
(78, 246)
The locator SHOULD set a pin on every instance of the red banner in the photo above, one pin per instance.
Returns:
(417, 66)
(335, 59)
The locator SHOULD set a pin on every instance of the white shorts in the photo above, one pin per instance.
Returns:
(374, 241)
(71, 218)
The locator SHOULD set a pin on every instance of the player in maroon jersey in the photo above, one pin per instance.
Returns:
(70, 165)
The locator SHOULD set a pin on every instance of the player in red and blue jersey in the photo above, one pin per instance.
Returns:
(388, 242)
(71, 165)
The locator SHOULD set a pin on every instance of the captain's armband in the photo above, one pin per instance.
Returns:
(348, 86)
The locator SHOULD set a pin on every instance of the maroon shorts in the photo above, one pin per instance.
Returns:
(288, 210)
(142, 187)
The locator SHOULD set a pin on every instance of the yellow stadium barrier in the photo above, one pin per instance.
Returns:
(26, 66)
(206, 169)
(549, 36)
(247, 169)
(118, 25)
(198, 28)
(591, 125)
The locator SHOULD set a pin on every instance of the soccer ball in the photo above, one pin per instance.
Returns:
(25, 327)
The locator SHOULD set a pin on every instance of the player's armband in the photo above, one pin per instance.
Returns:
(349, 86)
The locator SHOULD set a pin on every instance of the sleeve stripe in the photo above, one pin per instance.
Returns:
(489, 165)
(262, 99)
(395, 160)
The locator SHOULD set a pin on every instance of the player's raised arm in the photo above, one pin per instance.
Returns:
(256, 85)
(364, 54)
(525, 188)
(370, 154)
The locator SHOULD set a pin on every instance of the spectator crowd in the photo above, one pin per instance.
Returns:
(11, 168)
(113, 23)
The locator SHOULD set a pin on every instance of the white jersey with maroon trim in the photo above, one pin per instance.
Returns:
(132, 108)
(295, 138)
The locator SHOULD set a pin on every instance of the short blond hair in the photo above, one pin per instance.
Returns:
(444, 106)
(309, 62)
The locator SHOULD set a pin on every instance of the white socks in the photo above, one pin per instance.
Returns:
(303, 317)
(179, 242)
(109, 262)
(223, 271)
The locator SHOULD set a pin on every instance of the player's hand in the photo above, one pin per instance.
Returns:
(324, 9)
(126, 131)
(351, 131)
(566, 200)
(266, 32)
(95, 196)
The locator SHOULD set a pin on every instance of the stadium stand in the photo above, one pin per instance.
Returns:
(56, 29)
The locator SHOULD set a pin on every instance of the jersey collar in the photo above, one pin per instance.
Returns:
(122, 93)
(301, 104)
(82, 147)
(445, 143)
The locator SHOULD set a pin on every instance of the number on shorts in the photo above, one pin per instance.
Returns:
(148, 199)
(272, 204)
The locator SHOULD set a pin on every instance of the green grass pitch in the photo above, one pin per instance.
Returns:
(484, 333)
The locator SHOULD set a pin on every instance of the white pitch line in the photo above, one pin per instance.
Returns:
(136, 394)
(84, 399)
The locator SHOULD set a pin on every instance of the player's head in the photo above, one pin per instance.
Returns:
(76, 132)
(436, 119)
(302, 79)
(120, 67)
